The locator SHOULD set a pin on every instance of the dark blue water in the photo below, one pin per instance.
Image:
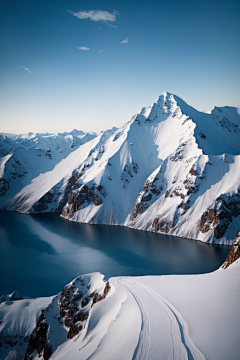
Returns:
(41, 253)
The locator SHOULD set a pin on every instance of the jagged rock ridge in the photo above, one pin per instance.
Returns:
(67, 315)
(234, 253)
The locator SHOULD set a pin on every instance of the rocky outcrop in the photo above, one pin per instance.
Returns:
(13, 342)
(234, 252)
(74, 306)
(69, 310)
(79, 198)
(127, 173)
(151, 188)
(162, 225)
(193, 171)
(4, 186)
(43, 202)
(219, 216)
(39, 340)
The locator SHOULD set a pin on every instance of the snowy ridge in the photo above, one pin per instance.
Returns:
(151, 317)
(56, 141)
(170, 169)
(27, 175)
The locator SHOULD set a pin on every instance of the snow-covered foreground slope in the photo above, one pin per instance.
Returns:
(170, 169)
(147, 318)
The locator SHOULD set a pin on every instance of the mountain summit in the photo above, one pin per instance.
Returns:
(170, 169)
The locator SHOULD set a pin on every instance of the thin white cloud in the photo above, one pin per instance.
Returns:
(96, 15)
(101, 51)
(26, 69)
(84, 48)
(110, 25)
(125, 41)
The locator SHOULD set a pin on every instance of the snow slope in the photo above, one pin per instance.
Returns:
(144, 318)
(17, 321)
(170, 169)
(26, 175)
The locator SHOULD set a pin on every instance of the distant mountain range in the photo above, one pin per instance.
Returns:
(47, 141)
(170, 169)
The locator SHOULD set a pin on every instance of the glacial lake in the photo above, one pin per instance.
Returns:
(41, 253)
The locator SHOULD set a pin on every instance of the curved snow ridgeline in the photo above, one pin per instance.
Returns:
(174, 317)
(171, 169)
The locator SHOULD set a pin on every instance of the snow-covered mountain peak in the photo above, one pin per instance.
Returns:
(15, 295)
(171, 168)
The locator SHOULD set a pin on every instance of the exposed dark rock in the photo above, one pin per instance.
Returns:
(84, 302)
(162, 225)
(176, 193)
(80, 316)
(83, 196)
(193, 171)
(71, 304)
(48, 153)
(4, 186)
(43, 202)
(19, 342)
(150, 188)
(74, 330)
(234, 252)
(178, 154)
(155, 224)
(188, 184)
(167, 194)
(137, 209)
(203, 136)
(219, 216)
(117, 135)
(39, 340)
(74, 310)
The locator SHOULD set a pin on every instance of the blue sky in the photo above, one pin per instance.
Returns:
(91, 65)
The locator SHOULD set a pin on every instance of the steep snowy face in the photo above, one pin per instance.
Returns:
(6, 145)
(112, 177)
(42, 178)
(165, 171)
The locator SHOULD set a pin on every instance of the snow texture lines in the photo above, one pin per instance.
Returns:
(142, 349)
(164, 333)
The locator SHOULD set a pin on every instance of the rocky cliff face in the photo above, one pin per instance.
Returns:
(234, 252)
(221, 214)
(67, 316)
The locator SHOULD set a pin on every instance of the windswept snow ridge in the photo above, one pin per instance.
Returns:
(170, 169)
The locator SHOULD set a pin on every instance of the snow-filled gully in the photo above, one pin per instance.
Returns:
(164, 333)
